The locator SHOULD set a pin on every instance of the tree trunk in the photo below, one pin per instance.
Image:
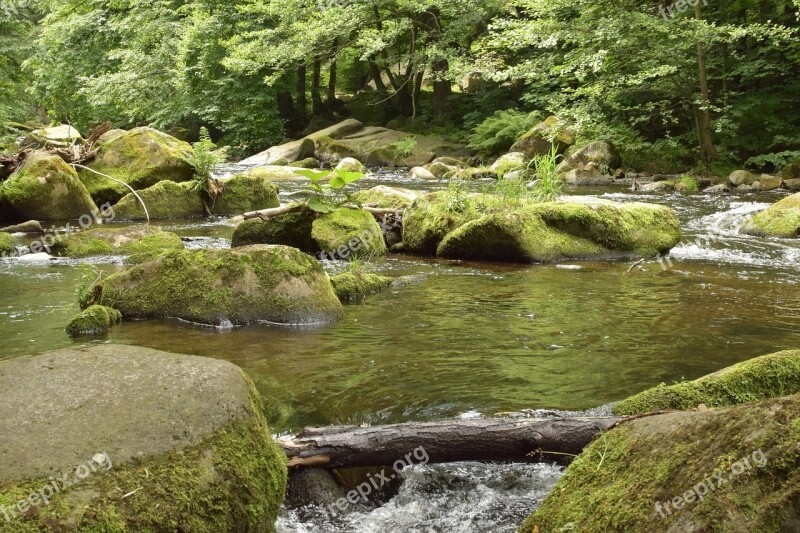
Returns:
(316, 98)
(331, 100)
(708, 152)
(375, 74)
(442, 88)
(526, 440)
(302, 100)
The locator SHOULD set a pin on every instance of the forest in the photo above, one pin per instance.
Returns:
(367, 266)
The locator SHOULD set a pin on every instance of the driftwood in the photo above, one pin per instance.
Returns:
(266, 214)
(522, 440)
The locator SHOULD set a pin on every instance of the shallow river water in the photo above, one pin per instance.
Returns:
(465, 339)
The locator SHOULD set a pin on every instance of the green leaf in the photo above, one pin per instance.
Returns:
(313, 175)
(320, 205)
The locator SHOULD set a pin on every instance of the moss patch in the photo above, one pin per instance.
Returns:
(94, 320)
(764, 377)
(246, 192)
(7, 243)
(386, 197)
(140, 242)
(351, 233)
(164, 200)
(247, 285)
(233, 481)
(615, 484)
(779, 220)
(353, 285)
(141, 158)
(46, 188)
(291, 229)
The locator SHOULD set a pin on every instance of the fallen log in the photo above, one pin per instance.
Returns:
(519, 440)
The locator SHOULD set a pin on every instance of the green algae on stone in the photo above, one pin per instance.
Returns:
(141, 242)
(7, 245)
(779, 220)
(350, 233)
(291, 229)
(222, 472)
(141, 158)
(46, 188)
(386, 197)
(353, 285)
(245, 192)
(252, 284)
(629, 477)
(756, 379)
(164, 200)
(309, 162)
(94, 320)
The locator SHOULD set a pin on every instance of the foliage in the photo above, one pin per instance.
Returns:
(458, 195)
(328, 197)
(775, 160)
(689, 183)
(205, 158)
(406, 146)
(497, 133)
(548, 185)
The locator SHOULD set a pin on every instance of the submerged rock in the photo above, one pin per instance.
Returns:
(161, 441)
(46, 188)
(164, 200)
(575, 228)
(343, 234)
(732, 469)
(779, 220)
(141, 242)
(248, 285)
(94, 320)
(353, 285)
(761, 378)
(141, 158)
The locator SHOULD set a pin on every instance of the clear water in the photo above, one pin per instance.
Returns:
(457, 338)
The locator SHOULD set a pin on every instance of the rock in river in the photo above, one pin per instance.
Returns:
(779, 220)
(260, 283)
(136, 440)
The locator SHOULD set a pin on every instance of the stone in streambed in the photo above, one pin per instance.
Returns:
(779, 220)
(166, 442)
(353, 285)
(94, 320)
(142, 242)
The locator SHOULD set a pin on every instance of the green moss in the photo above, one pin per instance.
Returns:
(353, 285)
(247, 285)
(273, 173)
(615, 484)
(291, 229)
(386, 197)
(756, 379)
(7, 243)
(385, 156)
(329, 149)
(428, 221)
(780, 220)
(245, 192)
(352, 233)
(94, 320)
(164, 200)
(232, 481)
(141, 158)
(309, 162)
(140, 242)
(46, 188)
(688, 183)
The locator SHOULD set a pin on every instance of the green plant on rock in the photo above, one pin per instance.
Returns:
(328, 197)
(90, 276)
(205, 158)
(406, 146)
(689, 183)
(548, 185)
(458, 195)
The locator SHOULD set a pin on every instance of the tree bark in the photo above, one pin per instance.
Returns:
(302, 100)
(331, 100)
(525, 440)
(316, 98)
(708, 152)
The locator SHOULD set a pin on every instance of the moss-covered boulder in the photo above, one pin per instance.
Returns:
(141, 242)
(509, 163)
(273, 173)
(164, 200)
(343, 234)
(46, 188)
(354, 285)
(94, 320)
(732, 469)
(386, 197)
(349, 164)
(7, 244)
(577, 228)
(141, 158)
(779, 220)
(764, 377)
(246, 192)
(308, 162)
(602, 153)
(259, 283)
(537, 140)
(347, 234)
(742, 177)
(147, 441)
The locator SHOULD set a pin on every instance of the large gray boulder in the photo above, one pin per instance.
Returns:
(539, 139)
(253, 284)
(601, 153)
(148, 440)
